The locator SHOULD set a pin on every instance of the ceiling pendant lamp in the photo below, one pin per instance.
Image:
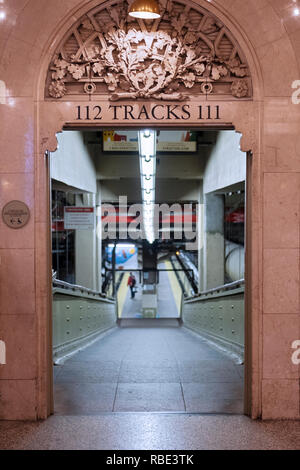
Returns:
(145, 9)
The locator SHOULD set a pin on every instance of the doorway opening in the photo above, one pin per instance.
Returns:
(148, 249)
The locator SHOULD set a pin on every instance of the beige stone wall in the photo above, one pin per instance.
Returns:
(28, 38)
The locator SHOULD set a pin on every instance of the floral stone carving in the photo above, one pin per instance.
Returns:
(239, 88)
(164, 59)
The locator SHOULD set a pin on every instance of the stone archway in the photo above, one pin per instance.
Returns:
(186, 51)
(211, 82)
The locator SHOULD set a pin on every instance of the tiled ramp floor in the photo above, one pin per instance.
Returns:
(149, 369)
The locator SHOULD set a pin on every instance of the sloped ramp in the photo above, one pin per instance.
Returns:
(149, 323)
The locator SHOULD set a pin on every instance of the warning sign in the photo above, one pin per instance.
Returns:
(79, 218)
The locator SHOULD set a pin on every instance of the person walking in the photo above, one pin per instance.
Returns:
(131, 283)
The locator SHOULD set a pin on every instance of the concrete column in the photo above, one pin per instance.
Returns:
(200, 229)
(214, 244)
(149, 262)
(98, 239)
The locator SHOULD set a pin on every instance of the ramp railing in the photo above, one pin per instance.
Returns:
(80, 315)
(218, 314)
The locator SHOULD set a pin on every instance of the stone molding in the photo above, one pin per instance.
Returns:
(187, 51)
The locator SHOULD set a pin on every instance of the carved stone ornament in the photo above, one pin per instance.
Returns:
(186, 51)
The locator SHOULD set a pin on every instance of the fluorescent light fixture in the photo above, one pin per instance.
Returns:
(148, 211)
(147, 154)
(147, 143)
(148, 185)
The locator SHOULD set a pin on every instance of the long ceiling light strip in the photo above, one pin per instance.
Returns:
(147, 154)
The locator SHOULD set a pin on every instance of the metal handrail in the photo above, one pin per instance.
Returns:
(84, 290)
(148, 270)
(179, 280)
(190, 277)
(224, 288)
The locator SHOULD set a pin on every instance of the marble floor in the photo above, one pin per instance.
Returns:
(150, 431)
(149, 388)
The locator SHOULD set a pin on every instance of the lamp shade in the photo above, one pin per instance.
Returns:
(146, 9)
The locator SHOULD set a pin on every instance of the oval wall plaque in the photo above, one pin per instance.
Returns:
(16, 214)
